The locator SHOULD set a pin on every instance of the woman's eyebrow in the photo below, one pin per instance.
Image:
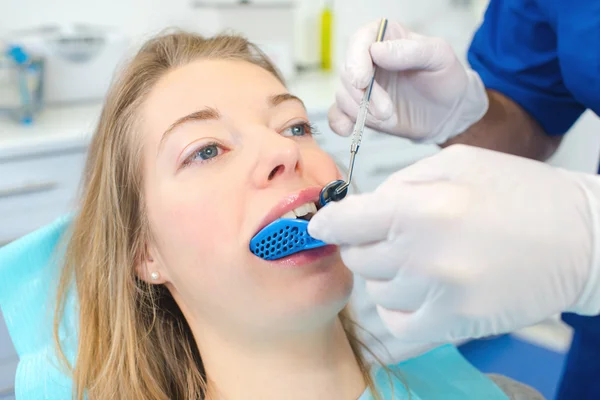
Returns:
(277, 99)
(210, 113)
(205, 114)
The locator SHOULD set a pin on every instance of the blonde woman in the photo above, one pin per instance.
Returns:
(199, 145)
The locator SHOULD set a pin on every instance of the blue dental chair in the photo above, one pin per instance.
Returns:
(29, 274)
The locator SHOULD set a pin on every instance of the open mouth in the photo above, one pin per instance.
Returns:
(287, 234)
(297, 206)
(305, 212)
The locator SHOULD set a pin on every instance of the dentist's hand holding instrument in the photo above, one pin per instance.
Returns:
(422, 91)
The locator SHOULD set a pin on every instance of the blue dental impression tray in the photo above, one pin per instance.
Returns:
(283, 237)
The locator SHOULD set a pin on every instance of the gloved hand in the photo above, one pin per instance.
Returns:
(422, 91)
(470, 243)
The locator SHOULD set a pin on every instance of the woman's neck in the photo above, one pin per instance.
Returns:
(309, 365)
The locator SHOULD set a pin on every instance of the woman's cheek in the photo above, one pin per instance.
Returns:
(321, 165)
(207, 223)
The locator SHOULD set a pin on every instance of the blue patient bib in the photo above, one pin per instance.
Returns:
(440, 374)
(29, 271)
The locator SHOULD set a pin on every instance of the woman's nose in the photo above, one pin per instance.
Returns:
(279, 159)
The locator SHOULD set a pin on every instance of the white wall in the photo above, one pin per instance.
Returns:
(433, 17)
(131, 16)
(137, 17)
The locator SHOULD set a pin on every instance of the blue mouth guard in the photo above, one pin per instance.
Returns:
(283, 237)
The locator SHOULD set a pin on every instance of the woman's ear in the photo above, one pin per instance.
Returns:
(148, 268)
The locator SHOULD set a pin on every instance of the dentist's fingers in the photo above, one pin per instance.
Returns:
(423, 327)
(339, 122)
(403, 325)
(414, 53)
(381, 106)
(406, 294)
(378, 260)
(357, 219)
(368, 218)
(358, 57)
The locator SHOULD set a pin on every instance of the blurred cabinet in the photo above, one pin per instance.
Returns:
(37, 188)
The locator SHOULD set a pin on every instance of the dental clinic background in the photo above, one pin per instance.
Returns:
(58, 57)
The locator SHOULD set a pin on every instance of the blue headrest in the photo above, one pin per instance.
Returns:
(29, 272)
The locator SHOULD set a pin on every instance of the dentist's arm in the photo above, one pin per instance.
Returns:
(506, 127)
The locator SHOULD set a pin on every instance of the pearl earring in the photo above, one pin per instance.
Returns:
(155, 275)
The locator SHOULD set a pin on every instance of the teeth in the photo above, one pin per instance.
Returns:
(289, 215)
(308, 208)
(304, 209)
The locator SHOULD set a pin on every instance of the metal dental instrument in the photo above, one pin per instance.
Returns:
(337, 190)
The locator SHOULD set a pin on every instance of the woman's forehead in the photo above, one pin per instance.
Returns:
(227, 85)
(216, 80)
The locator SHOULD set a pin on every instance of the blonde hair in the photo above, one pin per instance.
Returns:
(134, 342)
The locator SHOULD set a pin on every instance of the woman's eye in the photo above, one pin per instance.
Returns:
(297, 130)
(205, 153)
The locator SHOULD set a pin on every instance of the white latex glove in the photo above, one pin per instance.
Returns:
(422, 91)
(470, 243)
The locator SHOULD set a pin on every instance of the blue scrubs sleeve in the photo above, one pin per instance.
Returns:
(515, 53)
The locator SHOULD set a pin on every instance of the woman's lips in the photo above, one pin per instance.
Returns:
(305, 257)
(289, 203)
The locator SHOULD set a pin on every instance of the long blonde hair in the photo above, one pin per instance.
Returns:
(134, 342)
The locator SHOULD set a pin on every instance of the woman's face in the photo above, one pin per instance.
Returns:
(228, 149)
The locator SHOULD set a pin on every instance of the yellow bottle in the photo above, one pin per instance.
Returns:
(326, 35)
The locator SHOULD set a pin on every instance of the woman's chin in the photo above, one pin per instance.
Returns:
(320, 297)
(311, 317)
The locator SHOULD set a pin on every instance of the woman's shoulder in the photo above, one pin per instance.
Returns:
(515, 390)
